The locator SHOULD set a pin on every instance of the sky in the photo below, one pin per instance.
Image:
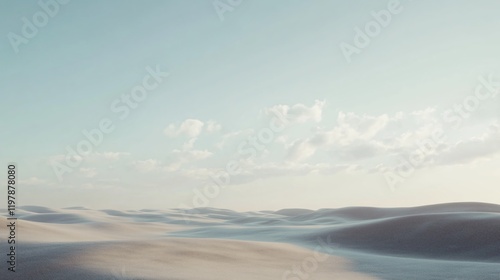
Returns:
(250, 105)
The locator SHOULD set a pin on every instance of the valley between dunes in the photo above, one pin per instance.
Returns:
(445, 241)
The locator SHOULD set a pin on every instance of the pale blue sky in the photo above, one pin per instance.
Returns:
(262, 55)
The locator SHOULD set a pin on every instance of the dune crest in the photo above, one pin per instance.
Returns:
(209, 243)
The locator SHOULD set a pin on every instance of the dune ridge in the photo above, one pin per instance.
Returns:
(444, 240)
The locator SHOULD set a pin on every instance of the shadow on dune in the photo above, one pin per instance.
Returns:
(453, 231)
(59, 262)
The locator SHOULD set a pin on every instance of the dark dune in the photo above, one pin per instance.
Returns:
(76, 208)
(452, 231)
(442, 241)
(368, 213)
(454, 236)
(56, 218)
(37, 209)
(293, 212)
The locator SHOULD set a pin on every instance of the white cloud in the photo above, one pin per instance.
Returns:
(352, 137)
(147, 165)
(361, 126)
(192, 155)
(300, 150)
(213, 126)
(357, 137)
(190, 128)
(468, 151)
(88, 172)
(182, 157)
(188, 145)
(33, 181)
(298, 113)
(233, 135)
(350, 142)
(95, 156)
(179, 158)
(114, 155)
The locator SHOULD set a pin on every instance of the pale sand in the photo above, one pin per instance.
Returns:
(88, 244)
(209, 259)
(447, 241)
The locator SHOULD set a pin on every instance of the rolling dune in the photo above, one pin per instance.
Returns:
(446, 241)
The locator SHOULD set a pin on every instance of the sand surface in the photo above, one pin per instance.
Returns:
(447, 241)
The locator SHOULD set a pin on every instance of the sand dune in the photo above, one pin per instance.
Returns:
(457, 241)
(459, 236)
